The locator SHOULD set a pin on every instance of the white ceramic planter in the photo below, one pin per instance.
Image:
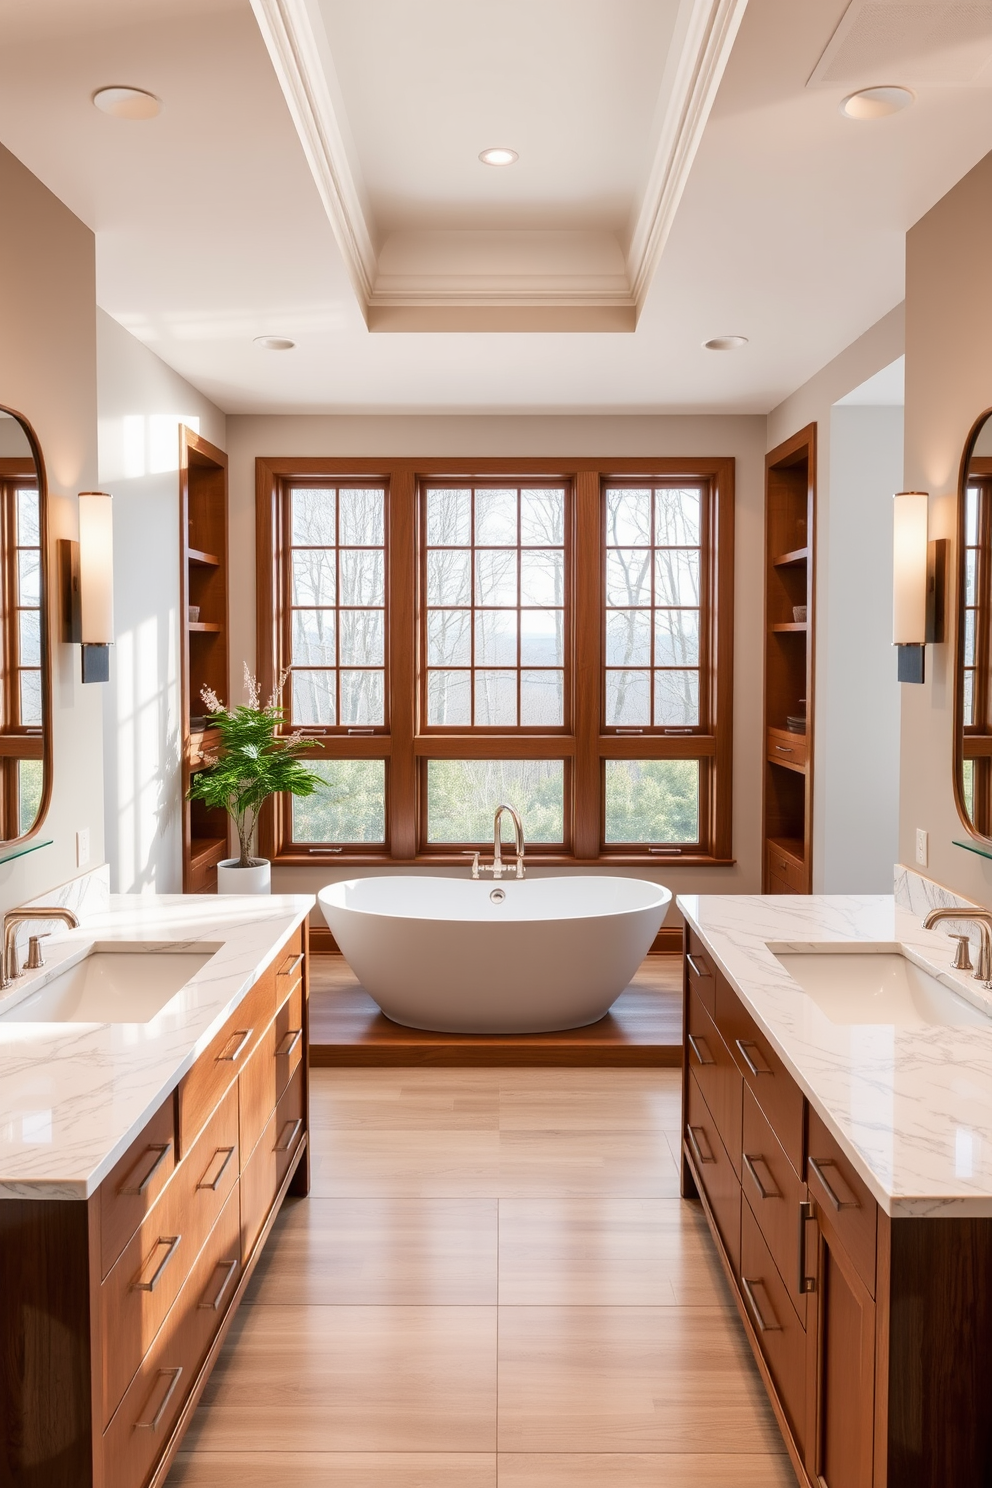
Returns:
(234, 880)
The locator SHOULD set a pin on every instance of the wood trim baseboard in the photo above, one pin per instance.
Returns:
(668, 942)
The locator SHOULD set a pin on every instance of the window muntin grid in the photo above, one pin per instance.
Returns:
(975, 689)
(494, 581)
(25, 699)
(653, 605)
(336, 585)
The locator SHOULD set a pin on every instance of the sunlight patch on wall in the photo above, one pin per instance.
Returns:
(140, 444)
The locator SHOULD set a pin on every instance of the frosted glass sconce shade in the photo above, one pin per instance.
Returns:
(909, 568)
(96, 568)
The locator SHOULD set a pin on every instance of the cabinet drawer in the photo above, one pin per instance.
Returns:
(785, 868)
(780, 1337)
(717, 1075)
(137, 1435)
(785, 748)
(142, 1287)
(289, 965)
(257, 1091)
(845, 1203)
(131, 1188)
(774, 1191)
(699, 970)
(773, 1087)
(290, 1124)
(779, 886)
(222, 1061)
(714, 1169)
(270, 1162)
(289, 1038)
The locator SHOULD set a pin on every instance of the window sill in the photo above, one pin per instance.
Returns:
(532, 860)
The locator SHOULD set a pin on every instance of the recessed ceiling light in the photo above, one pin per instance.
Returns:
(127, 103)
(725, 343)
(274, 343)
(498, 155)
(876, 103)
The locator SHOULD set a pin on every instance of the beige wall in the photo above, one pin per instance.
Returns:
(48, 373)
(948, 384)
(513, 437)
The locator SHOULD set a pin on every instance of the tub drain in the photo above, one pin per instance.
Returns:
(498, 895)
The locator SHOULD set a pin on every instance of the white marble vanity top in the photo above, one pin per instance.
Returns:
(73, 1096)
(911, 1107)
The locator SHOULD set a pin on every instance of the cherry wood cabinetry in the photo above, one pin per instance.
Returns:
(790, 532)
(872, 1334)
(113, 1310)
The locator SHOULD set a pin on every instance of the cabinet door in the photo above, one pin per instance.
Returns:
(841, 1367)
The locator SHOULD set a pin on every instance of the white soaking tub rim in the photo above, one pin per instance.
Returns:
(480, 908)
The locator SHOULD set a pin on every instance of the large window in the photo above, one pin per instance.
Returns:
(977, 660)
(21, 765)
(556, 638)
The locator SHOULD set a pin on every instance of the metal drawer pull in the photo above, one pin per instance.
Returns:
(289, 1042)
(700, 971)
(749, 1163)
(230, 1268)
(242, 1035)
(176, 1376)
(806, 1283)
(227, 1153)
(694, 1046)
(161, 1150)
(744, 1045)
(783, 749)
(293, 965)
(763, 1327)
(694, 1144)
(837, 1202)
(284, 1143)
(171, 1242)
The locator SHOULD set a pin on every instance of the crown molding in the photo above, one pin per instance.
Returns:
(708, 29)
(711, 28)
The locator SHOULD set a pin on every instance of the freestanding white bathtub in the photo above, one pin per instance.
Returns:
(463, 956)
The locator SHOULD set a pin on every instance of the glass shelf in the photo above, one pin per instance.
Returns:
(983, 852)
(8, 855)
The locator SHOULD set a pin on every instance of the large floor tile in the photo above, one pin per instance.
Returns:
(333, 1470)
(629, 1379)
(604, 1252)
(644, 1470)
(404, 1099)
(441, 1164)
(380, 1251)
(550, 1163)
(353, 1379)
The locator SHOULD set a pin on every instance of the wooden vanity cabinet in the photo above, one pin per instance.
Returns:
(872, 1335)
(113, 1310)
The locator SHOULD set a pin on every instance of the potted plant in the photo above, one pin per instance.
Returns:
(251, 765)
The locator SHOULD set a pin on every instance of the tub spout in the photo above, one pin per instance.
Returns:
(498, 868)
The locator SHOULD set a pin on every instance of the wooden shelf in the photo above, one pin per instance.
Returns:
(206, 852)
(788, 560)
(791, 846)
(789, 626)
(203, 560)
(206, 626)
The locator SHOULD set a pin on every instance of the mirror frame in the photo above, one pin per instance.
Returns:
(47, 598)
(959, 609)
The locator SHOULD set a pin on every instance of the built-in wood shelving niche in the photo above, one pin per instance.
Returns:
(204, 648)
(790, 532)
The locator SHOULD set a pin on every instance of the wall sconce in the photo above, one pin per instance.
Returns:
(918, 569)
(86, 581)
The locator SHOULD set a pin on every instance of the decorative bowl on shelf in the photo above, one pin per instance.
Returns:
(796, 723)
(194, 614)
(799, 614)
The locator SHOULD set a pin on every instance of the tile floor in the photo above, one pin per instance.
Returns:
(493, 1281)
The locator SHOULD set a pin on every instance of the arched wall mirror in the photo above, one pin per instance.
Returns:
(25, 653)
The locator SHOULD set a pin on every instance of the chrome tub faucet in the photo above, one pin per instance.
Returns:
(497, 867)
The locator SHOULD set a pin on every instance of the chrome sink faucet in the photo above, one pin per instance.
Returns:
(497, 867)
(962, 961)
(12, 921)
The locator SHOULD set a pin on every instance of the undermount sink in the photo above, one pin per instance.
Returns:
(878, 987)
(111, 984)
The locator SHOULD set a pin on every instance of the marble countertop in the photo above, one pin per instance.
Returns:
(73, 1096)
(911, 1107)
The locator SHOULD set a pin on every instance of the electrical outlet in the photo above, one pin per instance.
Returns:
(922, 841)
(83, 847)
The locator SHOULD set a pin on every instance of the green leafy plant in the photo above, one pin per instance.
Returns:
(252, 763)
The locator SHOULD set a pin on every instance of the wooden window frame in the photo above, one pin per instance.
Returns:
(587, 745)
(18, 741)
(976, 737)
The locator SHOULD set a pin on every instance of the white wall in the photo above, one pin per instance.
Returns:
(515, 437)
(857, 692)
(48, 373)
(839, 573)
(142, 403)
